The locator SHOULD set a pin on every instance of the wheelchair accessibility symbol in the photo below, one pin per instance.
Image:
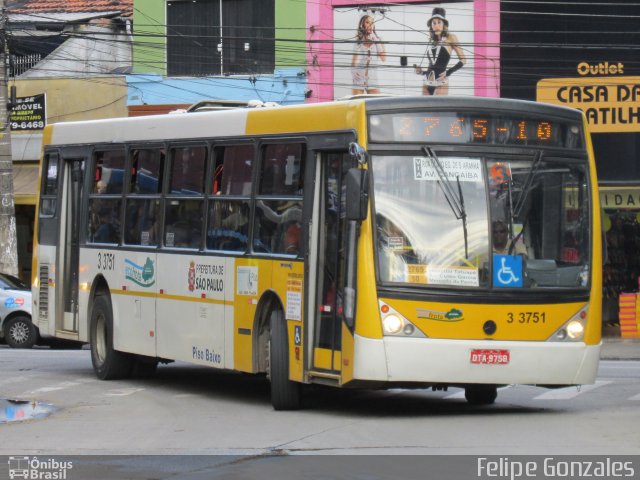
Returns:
(507, 271)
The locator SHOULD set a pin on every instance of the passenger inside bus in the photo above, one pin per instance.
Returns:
(105, 233)
(101, 186)
(180, 235)
(288, 220)
(141, 222)
(502, 244)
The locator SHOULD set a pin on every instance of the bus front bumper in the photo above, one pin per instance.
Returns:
(395, 359)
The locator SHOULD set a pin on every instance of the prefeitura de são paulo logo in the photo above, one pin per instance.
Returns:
(38, 468)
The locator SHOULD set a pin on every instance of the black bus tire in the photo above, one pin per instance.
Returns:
(481, 394)
(285, 394)
(109, 364)
(20, 332)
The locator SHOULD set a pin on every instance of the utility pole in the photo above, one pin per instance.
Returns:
(8, 232)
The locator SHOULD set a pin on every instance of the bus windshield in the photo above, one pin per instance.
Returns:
(523, 221)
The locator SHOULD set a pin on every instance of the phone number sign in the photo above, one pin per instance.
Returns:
(29, 113)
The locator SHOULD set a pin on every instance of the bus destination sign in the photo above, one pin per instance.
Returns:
(452, 127)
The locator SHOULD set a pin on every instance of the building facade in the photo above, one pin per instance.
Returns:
(586, 55)
(189, 50)
(67, 62)
(102, 58)
(337, 52)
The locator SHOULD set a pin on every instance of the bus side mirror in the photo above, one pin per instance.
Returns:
(357, 194)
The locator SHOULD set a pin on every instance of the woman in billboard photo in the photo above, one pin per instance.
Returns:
(368, 50)
(438, 53)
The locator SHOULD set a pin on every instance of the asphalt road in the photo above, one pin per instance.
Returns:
(194, 410)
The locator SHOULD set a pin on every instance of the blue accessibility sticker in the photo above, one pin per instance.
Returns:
(507, 271)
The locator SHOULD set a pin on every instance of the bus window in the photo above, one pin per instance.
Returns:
(544, 210)
(228, 225)
(183, 223)
(282, 170)
(278, 222)
(104, 200)
(50, 187)
(187, 171)
(104, 221)
(146, 170)
(278, 226)
(228, 218)
(141, 221)
(232, 174)
(184, 216)
(109, 168)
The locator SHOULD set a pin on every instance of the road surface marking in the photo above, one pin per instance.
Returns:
(123, 392)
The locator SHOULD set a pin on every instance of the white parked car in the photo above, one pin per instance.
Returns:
(15, 313)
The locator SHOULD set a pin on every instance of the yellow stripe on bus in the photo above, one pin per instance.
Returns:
(322, 117)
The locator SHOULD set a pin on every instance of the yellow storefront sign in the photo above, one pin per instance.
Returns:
(626, 198)
(611, 104)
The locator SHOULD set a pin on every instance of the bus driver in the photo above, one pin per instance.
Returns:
(502, 244)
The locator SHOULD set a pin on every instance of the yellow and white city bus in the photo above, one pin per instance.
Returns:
(372, 242)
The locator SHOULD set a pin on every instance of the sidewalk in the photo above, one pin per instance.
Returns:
(615, 347)
(620, 348)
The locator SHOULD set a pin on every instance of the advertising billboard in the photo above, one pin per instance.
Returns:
(397, 49)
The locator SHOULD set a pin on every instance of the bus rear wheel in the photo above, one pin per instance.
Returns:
(285, 394)
(481, 394)
(109, 364)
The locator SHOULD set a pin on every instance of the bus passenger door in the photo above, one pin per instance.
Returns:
(331, 263)
(67, 263)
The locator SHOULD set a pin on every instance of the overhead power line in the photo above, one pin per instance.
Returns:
(291, 51)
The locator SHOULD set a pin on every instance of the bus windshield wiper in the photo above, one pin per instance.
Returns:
(527, 186)
(455, 200)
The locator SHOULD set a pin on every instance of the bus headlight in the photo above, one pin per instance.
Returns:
(575, 329)
(394, 323)
(391, 324)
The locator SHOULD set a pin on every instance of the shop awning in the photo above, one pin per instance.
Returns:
(25, 182)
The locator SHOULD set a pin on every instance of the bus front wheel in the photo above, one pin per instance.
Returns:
(481, 394)
(285, 394)
(109, 364)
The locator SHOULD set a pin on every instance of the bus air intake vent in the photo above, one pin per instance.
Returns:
(43, 294)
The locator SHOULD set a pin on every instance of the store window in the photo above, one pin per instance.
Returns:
(621, 272)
